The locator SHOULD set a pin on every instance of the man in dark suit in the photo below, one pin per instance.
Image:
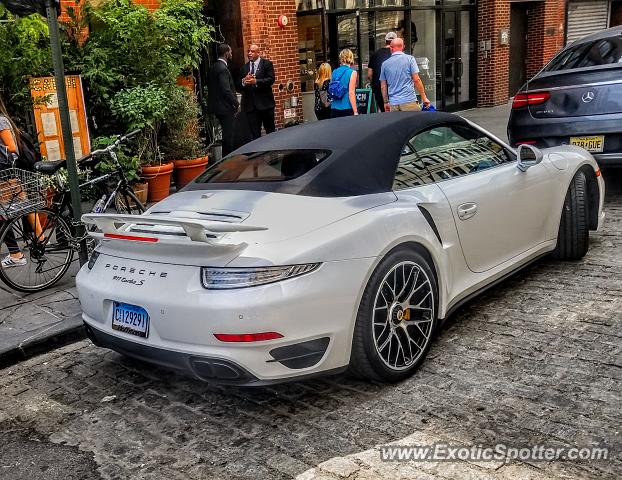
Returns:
(256, 80)
(222, 99)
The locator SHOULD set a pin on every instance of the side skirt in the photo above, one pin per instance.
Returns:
(452, 309)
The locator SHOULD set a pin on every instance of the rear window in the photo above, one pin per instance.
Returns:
(273, 166)
(606, 51)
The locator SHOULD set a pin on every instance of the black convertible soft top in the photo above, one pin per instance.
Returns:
(364, 153)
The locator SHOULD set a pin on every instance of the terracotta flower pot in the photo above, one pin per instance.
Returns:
(159, 179)
(141, 190)
(187, 170)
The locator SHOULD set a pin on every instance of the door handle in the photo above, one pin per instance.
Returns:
(467, 210)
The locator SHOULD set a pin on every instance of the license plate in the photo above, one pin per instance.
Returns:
(591, 144)
(130, 319)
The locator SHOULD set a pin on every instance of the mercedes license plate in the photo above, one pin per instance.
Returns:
(594, 144)
(130, 319)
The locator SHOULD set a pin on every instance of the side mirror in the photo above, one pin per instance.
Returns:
(528, 156)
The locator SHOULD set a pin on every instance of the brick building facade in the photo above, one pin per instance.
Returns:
(506, 41)
(544, 37)
(279, 44)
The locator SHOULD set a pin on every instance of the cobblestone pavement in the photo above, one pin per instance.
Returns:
(536, 360)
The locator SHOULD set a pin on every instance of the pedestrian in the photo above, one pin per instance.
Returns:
(9, 138)
(342, 87)
(322, 99)
(399, 78)
(374, 68)
(257, 78)
(222, 97)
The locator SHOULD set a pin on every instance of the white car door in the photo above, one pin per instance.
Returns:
(499, 211)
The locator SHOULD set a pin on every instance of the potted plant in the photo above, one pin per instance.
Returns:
(181, 141)
(145, 108)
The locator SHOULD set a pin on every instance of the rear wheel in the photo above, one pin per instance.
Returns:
(573, 238)
(126, 202)
(47, 256)
(396, 321)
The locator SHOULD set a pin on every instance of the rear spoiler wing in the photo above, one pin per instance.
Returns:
(114, 226)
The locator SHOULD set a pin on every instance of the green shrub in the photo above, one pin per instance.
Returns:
(25, 47)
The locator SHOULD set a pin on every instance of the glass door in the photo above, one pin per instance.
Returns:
(459, 59)
(345, 32)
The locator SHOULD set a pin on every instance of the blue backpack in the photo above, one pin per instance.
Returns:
(336, 90)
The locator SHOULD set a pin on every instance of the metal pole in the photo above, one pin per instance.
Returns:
(65, 122)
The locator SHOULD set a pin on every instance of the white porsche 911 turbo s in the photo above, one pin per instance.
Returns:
(332, 245)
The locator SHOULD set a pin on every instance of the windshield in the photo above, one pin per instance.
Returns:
(273, 166)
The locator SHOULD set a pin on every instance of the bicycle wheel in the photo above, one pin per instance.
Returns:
(47, 257)
(126, 202)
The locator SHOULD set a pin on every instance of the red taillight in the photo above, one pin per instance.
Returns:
(133, 238)
(247, 337)
(525, 142)
(523, 99)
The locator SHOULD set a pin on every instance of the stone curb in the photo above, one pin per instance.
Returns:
(40, 341)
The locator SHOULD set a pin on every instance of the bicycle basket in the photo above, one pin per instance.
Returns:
(21, 192)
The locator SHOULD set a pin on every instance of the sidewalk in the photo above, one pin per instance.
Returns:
(35, 323)
(493, 119)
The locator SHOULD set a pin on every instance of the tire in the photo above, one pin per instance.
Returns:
(383, 328)
(573, 238)
(47, 260)
(126, 202)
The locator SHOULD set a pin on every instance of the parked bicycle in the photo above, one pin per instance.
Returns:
(44, 229)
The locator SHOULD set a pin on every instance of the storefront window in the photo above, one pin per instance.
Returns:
(310, 50)
(390, 3)
(424, 3)
(459, 2)
(361, 26)
(424, 47)
(388, 22)
(310, 4)
(348, 4)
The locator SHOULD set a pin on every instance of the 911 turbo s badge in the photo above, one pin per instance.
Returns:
(130, 281)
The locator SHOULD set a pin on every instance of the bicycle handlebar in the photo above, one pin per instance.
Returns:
(112, 146)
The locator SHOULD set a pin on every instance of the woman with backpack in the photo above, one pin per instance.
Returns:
(322, 98)
(342, 87)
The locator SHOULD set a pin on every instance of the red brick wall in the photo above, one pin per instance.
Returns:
(280, 45)
(492, 67)
(545, 37)
(150, 4)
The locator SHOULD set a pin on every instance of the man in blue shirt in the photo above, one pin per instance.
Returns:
(398, 79)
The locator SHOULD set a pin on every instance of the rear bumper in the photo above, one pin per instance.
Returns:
(551, 132)
(210, 369)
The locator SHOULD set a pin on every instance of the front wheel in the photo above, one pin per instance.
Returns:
(396, 321)
(44, 239)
